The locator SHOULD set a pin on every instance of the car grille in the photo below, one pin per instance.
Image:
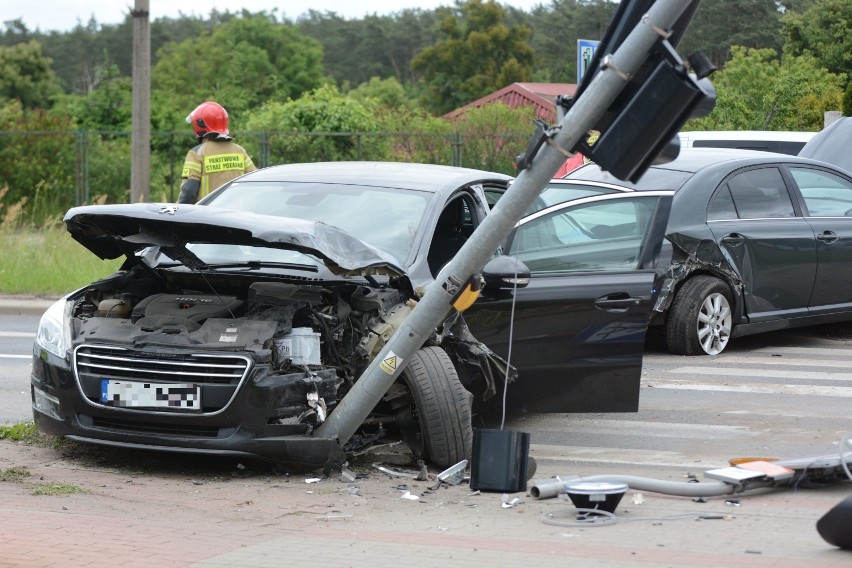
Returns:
(218, 375)
(117, 363)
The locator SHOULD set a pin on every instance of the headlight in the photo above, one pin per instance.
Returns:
(52, 329)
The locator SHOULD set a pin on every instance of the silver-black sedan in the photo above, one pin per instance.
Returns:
(755, 242)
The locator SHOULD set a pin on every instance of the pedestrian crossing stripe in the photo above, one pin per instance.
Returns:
(390, 363)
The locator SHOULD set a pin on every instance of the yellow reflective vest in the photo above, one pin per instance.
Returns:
(214, 162)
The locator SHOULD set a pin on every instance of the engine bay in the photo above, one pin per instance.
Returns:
(314, 339)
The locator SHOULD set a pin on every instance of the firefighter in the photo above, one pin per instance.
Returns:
(217, 159)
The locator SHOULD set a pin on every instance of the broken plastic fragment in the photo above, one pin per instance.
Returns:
(318, 404)
(409, 496)
(638, 499)
(453, 474)
(313, 480)
(335, 517)
(507, 504)
(347, 475)
(394, 473)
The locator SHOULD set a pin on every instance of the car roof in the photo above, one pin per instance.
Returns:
(747, 135)
(694, 159)
(673, 175)
(403, 175)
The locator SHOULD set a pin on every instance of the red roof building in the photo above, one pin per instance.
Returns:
(542, 96)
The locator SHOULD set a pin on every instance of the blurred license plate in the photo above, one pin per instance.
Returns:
(130, 394)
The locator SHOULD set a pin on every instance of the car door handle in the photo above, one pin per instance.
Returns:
(827, 237)
(618, 302)
(733, 239)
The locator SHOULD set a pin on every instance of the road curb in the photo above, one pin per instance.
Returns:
(25, 304)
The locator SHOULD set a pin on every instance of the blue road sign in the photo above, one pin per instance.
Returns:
(585, 52)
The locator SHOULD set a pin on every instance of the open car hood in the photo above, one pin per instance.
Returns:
(831, 145)
(110, 231)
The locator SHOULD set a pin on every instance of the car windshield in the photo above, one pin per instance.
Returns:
(653, 179)
(386, 218)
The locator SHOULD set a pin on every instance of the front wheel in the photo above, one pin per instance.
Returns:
(700, 319)
(443, 430)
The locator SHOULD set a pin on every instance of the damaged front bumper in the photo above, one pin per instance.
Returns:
(244, 427)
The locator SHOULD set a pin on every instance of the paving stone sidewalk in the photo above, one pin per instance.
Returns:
(208, 515)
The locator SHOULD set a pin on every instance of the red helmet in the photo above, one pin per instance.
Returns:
(209, 118)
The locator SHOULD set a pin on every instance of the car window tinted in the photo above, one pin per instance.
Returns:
(722, 205)
(782, 146)
(561, 192)
(386, 218)
(825, 194)
(492, 196)
(554, 193)
(761, 193)
(455, 225)
(599, 236)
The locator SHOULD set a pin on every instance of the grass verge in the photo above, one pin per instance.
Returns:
(43, 259)
(27, 433)
(47, 261)
(21, 432)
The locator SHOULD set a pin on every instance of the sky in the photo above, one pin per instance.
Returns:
(63, 15)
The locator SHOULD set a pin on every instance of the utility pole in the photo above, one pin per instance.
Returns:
(437, 301)
(140, 145)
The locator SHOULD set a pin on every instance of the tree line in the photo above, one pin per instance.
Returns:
(781, 64)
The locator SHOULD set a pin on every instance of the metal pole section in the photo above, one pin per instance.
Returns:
(548, 488)
(140, 150)
(436, 304)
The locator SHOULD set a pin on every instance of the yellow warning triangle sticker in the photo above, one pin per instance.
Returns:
(390, 363)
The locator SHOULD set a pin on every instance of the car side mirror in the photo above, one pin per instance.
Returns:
(504, 273)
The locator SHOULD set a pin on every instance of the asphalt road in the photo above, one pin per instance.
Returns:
(17, 332)
(783, 394)
(780, 395)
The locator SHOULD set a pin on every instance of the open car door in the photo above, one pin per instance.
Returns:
(579, 325)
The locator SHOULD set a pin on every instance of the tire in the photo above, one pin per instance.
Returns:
(441, 406)
(700, 321)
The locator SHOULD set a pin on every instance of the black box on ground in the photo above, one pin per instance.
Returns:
(499, 461)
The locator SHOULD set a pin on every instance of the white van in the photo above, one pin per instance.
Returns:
(784, 142)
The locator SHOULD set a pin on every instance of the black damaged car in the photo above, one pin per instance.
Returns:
(236, 326)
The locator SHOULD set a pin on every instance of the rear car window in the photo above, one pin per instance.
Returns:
(654, 178)
(722, 205)
(761, 193)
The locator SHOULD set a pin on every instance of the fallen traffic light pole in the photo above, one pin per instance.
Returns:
(548, 151)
